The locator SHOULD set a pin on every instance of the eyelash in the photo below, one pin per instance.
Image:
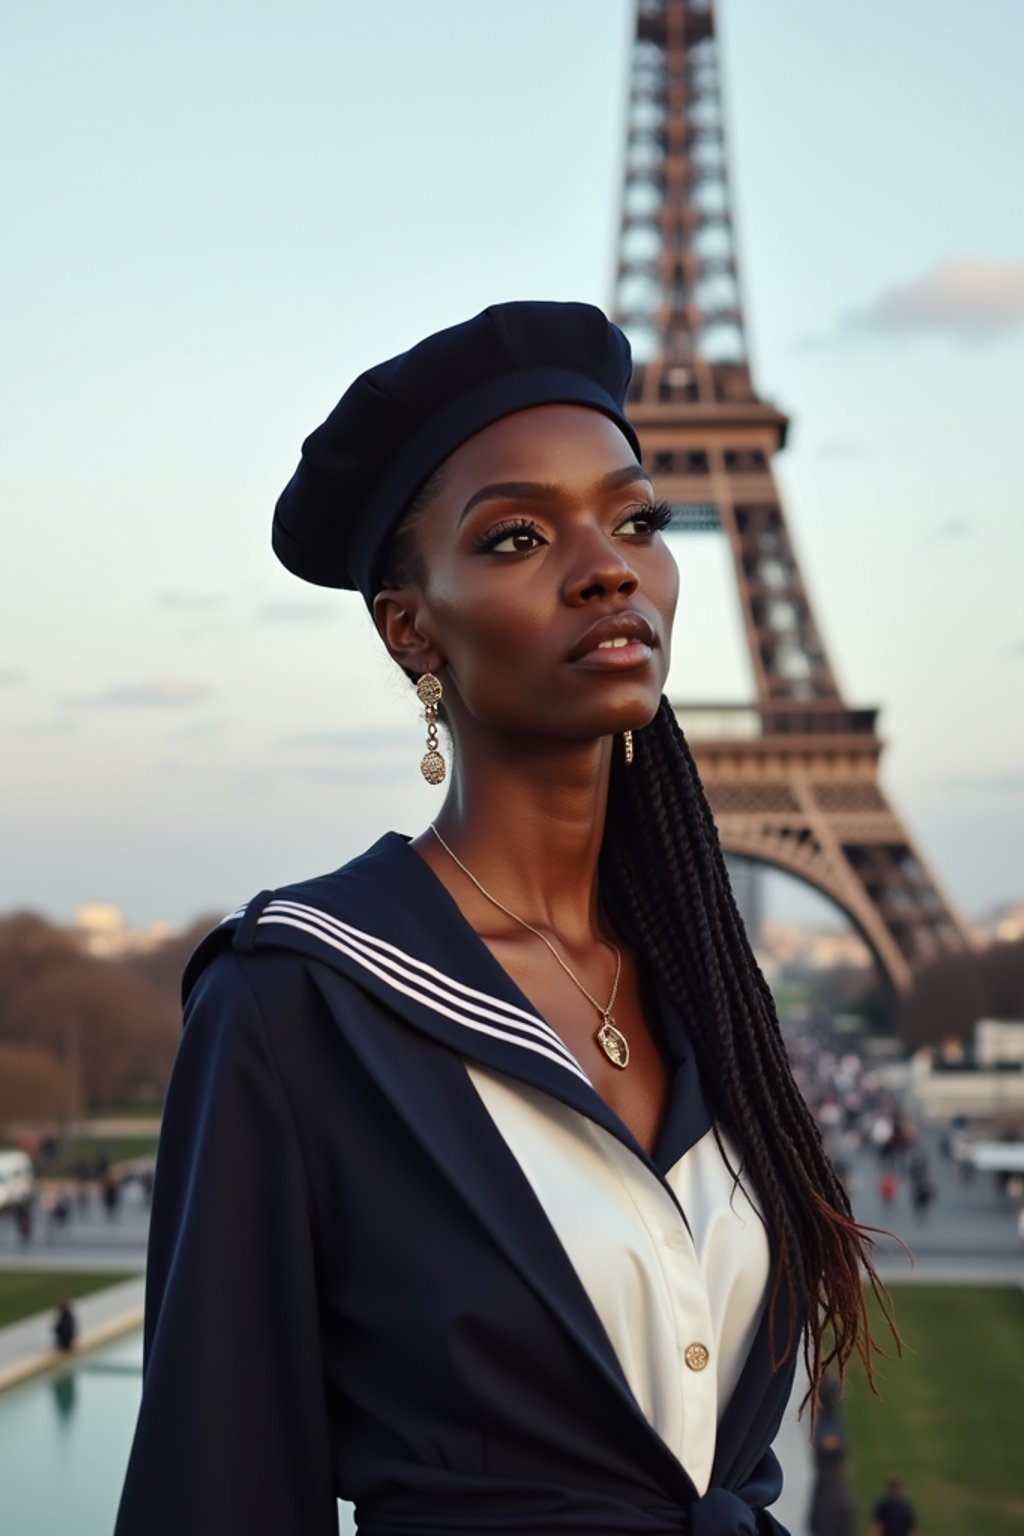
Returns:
(657, 517)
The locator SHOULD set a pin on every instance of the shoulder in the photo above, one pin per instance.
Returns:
(363, 889)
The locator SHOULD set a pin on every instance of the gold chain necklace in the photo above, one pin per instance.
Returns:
(609, 1037)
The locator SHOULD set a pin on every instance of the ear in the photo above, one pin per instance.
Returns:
(404, 626)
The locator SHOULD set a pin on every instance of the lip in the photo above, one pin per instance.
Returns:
(631, 627)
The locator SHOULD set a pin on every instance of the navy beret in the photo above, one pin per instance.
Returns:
(400, 420)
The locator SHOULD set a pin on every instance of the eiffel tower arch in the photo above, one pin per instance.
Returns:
(792, 776)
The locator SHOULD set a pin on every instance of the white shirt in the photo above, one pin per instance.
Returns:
(680, 1307)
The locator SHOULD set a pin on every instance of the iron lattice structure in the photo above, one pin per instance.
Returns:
(793, 776)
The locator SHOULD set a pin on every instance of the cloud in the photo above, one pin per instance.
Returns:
(159, 693)
(251, 783)
(373, 771)
(10, 677)
(189, 602)
(57, 727)
(840, 448)
(956, 528)
(381, 754)
(968, 297)
(1006, 781)
(295, 613)
(202, 730)
(373, 738)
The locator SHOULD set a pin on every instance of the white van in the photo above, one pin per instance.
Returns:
(17, 1179)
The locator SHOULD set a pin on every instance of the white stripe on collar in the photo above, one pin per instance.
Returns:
(426, 985)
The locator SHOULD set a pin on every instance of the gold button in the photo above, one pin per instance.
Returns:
(696, 1356)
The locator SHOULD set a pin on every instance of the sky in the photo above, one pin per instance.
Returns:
(216, 214)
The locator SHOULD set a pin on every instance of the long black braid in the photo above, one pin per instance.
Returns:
(664, 880)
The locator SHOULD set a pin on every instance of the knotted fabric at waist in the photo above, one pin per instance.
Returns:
(717, 1513)
(721, 1513)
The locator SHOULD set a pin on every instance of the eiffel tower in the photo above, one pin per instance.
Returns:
(792, 777)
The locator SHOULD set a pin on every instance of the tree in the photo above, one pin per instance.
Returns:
(954, 992)
(29, 945)
(105, 1025)
(162, 966)
(1006, 981)
(32, 1086)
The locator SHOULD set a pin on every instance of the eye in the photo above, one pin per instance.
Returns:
(518, 537)
(644, 522)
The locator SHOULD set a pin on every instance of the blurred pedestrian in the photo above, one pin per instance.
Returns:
(922, 1193)
(23, 1221)
(60, 1209)
(65, 1327)
(111, 1193)
(887, 1188)
(832, 1509)
(893, 1515)
(881, 1135)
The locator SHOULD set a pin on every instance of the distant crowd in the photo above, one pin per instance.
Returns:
(858, 1112)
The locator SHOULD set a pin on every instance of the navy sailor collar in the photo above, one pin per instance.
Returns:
(388, 924)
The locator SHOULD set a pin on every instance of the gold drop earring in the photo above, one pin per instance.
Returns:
(429, 691)
(627, 742)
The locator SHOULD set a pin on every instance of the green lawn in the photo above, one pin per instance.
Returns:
(952, 1410)
(119, 1149)
(24, 1292)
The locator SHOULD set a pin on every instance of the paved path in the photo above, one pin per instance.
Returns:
(27, 1347)
(90, 1240)
(793, 1448)
(968, 1235)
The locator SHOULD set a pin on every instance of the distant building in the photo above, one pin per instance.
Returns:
(998, 1041)
(1004, 924)
(791, 947)
(102, 932)
(984, 1084)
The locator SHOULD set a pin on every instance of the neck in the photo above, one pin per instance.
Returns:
(530, 830)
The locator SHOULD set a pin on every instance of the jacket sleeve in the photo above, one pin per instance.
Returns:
(232, 1432)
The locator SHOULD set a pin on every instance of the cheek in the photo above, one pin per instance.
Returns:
(494, 626)
(661, 586)
(662, 589)
(499, 655)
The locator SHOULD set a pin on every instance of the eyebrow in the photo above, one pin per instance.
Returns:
(536, 490)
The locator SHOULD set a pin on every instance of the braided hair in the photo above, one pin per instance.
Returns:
(665, 883)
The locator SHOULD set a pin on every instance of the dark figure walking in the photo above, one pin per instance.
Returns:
(893, 1515)
(832, 1511)
(922, 1193)
(111, 1194)
(65, 1327)
(23, 1222)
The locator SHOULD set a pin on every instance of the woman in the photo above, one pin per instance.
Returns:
(485, 1196)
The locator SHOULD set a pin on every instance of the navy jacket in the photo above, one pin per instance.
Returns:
(353, 1291)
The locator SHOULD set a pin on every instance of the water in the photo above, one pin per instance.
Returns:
(64, 1441)
(64, 1444)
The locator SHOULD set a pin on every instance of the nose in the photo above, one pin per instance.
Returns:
(600, 569)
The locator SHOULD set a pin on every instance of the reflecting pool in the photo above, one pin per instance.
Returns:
(64, 1443)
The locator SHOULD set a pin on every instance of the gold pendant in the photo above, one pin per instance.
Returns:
(613, 1042)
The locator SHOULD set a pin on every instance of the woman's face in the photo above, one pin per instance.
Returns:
(548, 591)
